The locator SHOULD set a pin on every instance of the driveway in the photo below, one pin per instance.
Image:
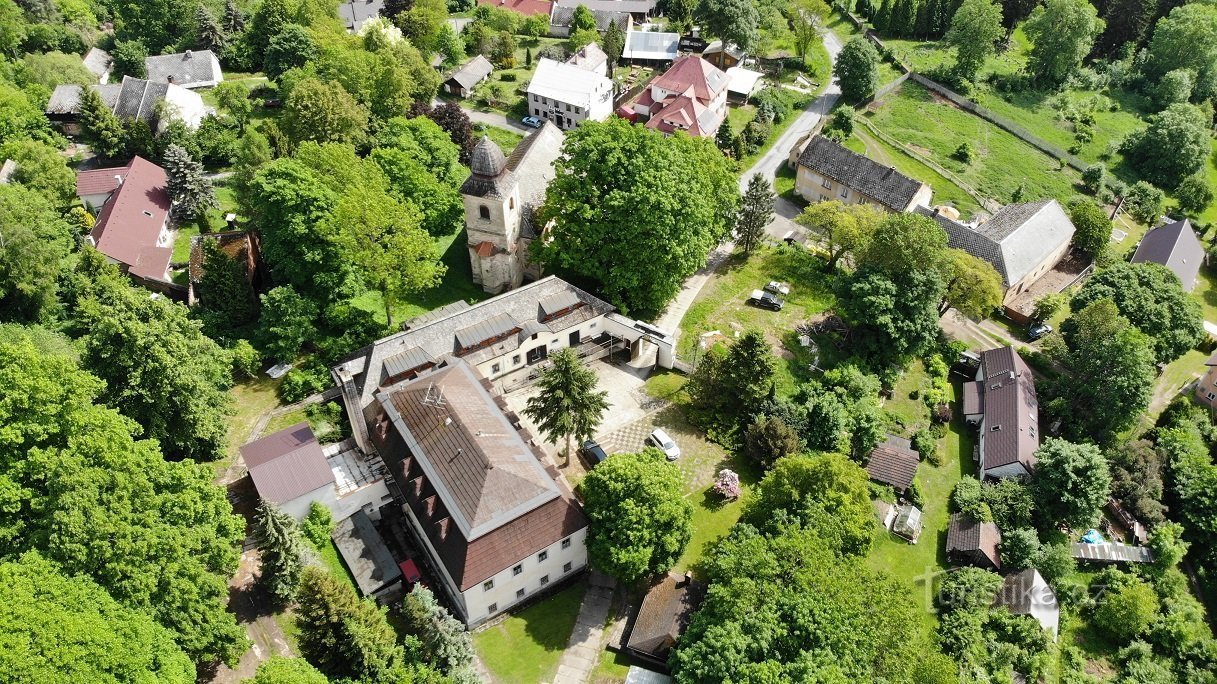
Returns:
(496, 119)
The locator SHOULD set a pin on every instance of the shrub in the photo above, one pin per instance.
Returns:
(965, 152)
(302, 382)
(775, 101)
(968, 498)
(246, 361)
(925, 444)
(1019, 548)
(1094, 177)
(507, 76)
(318, 525)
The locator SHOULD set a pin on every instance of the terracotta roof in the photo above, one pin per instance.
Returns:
(484, 248)
(1010, 428)
(893, 463)
(690, 71)
(685, 113)
(525, 7)
(98, 181)
(1176, 247)
(969, 537)
(664, 615)
(130, 223)
(287, 464)
(884, 184)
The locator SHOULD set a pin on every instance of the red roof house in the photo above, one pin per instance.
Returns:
(288, 465)
(132, 227)
(691, 96)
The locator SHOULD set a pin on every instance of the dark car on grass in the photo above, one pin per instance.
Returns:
(765, 300)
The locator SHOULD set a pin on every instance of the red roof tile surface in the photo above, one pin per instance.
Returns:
(525, 7)
(287, 464)
(893, 463)
(692, 71)
(98, 181)
(130, 223)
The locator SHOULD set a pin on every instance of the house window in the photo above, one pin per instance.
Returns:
(844, 192)
(519, 594)
(495, 368)
(566, 568)
(568, 108)
(592, 325)
(566, 543)
(826, 183)
(1212, 396)
(515, 360)
(578, 110)
(488, 585)
(517, 570)
(823, 197)
(542, 556)
(484, 212)
(544, 580)
(493, 608)
(544, 100)
(536, 111)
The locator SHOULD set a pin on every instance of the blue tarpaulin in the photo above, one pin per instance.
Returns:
(1093, 537)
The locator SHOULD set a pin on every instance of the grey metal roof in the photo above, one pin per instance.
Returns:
(184, 68)
(406, 361)
(97, 61)
(650, 45)
(354, 13)
(532, 162)
(884, 184)
(1176, 247)
(472, 72)
(481, 468)
(365, 553)
(589, 57)
(436, 314)
(557, 302)
(1111, 553)
(486, 329)
(564, 16)
(437, 337)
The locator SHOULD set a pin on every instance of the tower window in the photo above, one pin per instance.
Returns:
(484, 212)
(511, 203)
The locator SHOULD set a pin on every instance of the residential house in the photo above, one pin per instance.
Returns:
(363, 550)
(639, 10)
(133, 98)
(190, 69)
(239, 245)
(99, 63)
(1002, 403)
(465, 79)
(132, 228)
(1022, 241)
(827, 170)
(1206, 387)
(893, 463)
(650, 47)
(742, 83)
(664, 615)
(526, 8)
(590, 58)
(970, 542)
(291, 470)
(723, 55)
(561, 19)
(1026, 593)
(353, 13)
(1175, 246)
(501, 196)
(691, 96)
(567, 94)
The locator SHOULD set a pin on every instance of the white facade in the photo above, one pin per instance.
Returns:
(566, 94)
(183, 105)
(343, 506)
(509, 587)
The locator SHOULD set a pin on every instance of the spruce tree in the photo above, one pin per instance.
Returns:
(725, 139)
(210, 35)
(283, 551)
(393, 8)
(613, 43)
(342, 635)
(101, 128)
(234, 19)
(447, 644)
(755, 213)
(228, 299)
(568, 404)
(189, 188)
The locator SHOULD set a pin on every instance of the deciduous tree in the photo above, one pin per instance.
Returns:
(128, 59)
(323, 112)
(1127, 611)
(806, 23)
(847, 227)
(1071, 484)
(611, 172)
(857, 69)
(288, 322)
(974, 287)
(1174, 146)
(769, 438)
(1194, 194)
(569, 405)
(734, 21)
(291, 47)
(1144, 203)
(34, 241)
(284, 670)
(1093, 228)
(1062, 33)
(974, 33)
(1185, 39)
(639, 520)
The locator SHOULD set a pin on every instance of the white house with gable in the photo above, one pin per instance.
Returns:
(566, 94)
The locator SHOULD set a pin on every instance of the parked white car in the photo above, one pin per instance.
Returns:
(660, 439)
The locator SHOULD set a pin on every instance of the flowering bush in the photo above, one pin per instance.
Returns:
(727, 484)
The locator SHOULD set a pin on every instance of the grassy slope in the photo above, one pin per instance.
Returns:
(1002, 162)
(527, 646)
(945, 191)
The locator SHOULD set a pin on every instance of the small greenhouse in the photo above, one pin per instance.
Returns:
(908, 523)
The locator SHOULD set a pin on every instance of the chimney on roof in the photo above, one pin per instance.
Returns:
(189, 54)
(169, 78)
(118, 179)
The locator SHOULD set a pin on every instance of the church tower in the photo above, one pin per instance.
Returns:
(492, 219)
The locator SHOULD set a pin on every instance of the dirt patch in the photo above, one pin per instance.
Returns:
(919, 150)
(941, 99)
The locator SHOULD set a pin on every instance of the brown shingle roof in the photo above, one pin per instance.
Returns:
(287, 464)
(969, 537)
(664, 614)
(1010, 429)
(893, 463)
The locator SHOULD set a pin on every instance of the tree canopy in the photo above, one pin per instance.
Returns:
(1092, 227)
(1174, 146)
(568, 405)
(1150, 296)
(975, 30)
(975, 287)
(1062, 32)
(857, 69)
(638, 519)
(1071, 484)
(735, 21)
(848, 228)
(36, 242)
(610, 175)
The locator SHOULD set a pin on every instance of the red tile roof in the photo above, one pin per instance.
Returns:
(694, 72)
(130, 223)
(98, 181)
(683, 113)
(484, 248)
(287, 464)
(525, 7)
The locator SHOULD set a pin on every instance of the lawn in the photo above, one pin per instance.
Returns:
(251, 399)
(332, 560)
(913, 564)
(527, 646)
(1001, 164)
(722, 305)
(945, 190)
(504, 90)
(1206, 292)
(456, 285)
(925, 56)
(505, 139)
(323, 427)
